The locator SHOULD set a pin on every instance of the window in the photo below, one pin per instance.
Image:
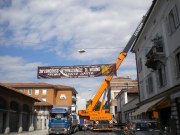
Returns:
(30, 91)
(22, 90)
(140, 65)
(149, 85)
(173, 19)
(36, 92)
(161, 74)
(178, 64)
(44, 92)
(141, 89)
(44, 99)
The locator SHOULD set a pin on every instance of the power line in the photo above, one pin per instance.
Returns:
(99, 48)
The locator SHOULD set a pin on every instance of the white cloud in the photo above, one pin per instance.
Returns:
(40, 21)
(62, 27)
(16, 69)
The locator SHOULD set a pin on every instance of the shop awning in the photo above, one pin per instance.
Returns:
(164, 103)
(145, 107)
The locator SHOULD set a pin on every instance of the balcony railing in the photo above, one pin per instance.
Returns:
(156, 53)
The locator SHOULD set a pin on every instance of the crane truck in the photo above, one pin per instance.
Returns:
(103, 118)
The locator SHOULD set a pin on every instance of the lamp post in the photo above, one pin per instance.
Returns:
(81, 51)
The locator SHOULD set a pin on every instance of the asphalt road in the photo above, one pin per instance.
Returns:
(45, 132)
(98, 133)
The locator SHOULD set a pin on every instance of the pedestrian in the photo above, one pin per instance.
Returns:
(85, 126)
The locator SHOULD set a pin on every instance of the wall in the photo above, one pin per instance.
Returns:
(67, 100)
(158, 24)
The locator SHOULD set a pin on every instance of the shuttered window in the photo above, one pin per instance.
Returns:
(178, 64)
(173, 20)
(161, 75)
(149, 85)
(30, 91)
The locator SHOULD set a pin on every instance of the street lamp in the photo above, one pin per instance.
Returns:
(81, 51)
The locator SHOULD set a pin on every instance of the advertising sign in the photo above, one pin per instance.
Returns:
(76, 71)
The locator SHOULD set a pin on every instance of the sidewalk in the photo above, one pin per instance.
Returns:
(36, 132)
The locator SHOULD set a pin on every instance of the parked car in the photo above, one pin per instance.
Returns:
(147, 127)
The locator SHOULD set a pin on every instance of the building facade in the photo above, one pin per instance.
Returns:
(116, 85)
(15, 115)
(125, 104)
(157, 52)
(50, 95)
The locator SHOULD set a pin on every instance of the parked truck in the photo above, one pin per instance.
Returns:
(60, 121)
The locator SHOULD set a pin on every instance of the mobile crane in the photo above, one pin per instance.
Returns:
(103, 115)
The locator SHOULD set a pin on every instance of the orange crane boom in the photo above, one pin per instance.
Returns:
(102, 114)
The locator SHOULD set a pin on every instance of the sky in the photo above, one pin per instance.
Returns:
(50, 32)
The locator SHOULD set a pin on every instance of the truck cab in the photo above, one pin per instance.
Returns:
(60, 121)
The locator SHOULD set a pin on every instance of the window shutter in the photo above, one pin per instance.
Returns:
(164, 75)
(157, 78)
(177, 62)
(167, 25)
(147, 86)
(151, 85)
(176, 17)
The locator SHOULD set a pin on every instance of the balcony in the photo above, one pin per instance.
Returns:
(156, 54)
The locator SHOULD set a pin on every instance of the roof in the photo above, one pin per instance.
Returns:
(42, 103)
(25, 85)
(66, 88)
(18, 92)
(145, 21)
(40, 85)
(133, 90)
(123, 79)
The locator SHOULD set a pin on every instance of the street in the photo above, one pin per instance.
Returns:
(45, 132)
(98, 133)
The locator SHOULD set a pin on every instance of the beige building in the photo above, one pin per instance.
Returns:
(126, 103)
(116, 85)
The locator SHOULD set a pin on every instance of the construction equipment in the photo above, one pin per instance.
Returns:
(102, 116)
